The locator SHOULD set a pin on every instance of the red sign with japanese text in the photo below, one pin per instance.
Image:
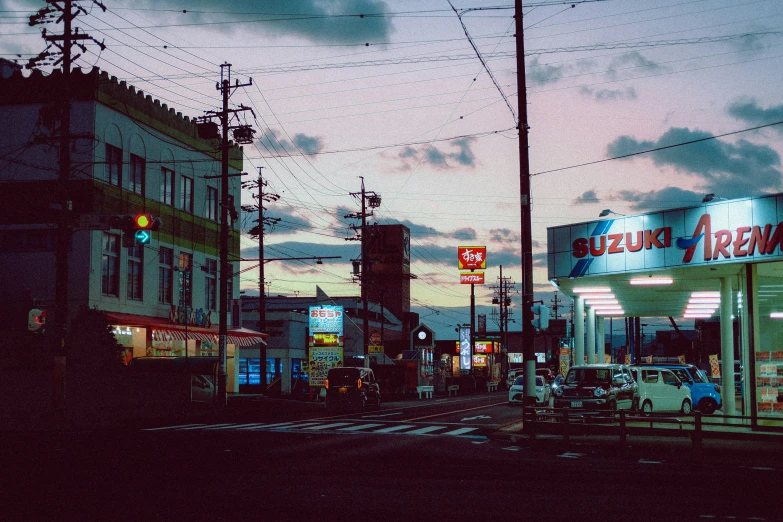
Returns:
(472, 257)
(471, 278)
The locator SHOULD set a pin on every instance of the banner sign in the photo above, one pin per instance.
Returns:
(326, 319)
(480, 361)
(472, 257)
(471, 278)
(322, 358)
(464, 348)
(747, 229)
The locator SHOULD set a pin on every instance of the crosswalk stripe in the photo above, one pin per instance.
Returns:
(328, 426)
(395, 428)
(171, 427)
(459, 431)
(230, 426)
(424, 431)
(360, 427)
(294, 425)
(260, 426)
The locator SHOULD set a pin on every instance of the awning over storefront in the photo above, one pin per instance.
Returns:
(180, 332)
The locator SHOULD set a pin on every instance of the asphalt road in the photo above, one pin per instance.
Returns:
(291, 462)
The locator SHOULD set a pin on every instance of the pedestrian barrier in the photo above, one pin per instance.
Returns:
(453, 388)
(426, 390)
(492, 386)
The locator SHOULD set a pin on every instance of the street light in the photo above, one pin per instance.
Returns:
(712, 197)
(605, 212)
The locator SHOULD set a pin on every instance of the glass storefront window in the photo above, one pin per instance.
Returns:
(769, 341)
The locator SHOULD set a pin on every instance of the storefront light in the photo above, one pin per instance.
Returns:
(703, 306)
(606, 307)
(591, 290)
(705, 294)
(610, 312)
(776, 315)
(651, 281)
(696, 316)
(704, 300)
(602, 301)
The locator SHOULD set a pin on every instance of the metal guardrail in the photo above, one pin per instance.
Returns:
(539, 420)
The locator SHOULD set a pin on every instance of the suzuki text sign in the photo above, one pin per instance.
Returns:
(471, 278)
(740, 230)
(472, 257)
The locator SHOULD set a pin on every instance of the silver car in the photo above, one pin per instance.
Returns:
(516, 394)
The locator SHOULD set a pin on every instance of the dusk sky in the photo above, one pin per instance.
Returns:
(400, 97)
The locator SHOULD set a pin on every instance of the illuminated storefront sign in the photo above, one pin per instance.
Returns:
(464, 348)
(745, 230)
(471, 278)
(480, 361)
(326, 319)
(472, 257)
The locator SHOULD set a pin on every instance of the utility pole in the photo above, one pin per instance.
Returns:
(370, 200)
(528, 332)
(64, 42)
(555, 307)
(242, 134)
(258, 230)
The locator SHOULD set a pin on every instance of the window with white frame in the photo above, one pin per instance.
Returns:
(165, 275)
(113, 172)
(137, 174)
(110, 267)
(212, 204)
(186, 194)
(167, 186)
(136, 272)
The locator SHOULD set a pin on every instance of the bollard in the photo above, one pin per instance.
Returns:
(697, 433)
(622, 427)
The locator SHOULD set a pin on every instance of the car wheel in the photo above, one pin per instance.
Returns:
(708, 406)
(647, 407)
(686, 407)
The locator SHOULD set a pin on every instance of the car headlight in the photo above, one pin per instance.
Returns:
(599, 392)
(559, 392)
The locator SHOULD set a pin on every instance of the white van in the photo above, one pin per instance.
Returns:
(660, 390)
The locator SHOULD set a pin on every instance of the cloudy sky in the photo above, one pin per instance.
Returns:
(393, 91)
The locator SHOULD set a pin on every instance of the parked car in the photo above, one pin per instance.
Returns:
(513, 373)
(660, 390)
(556, 383)
(516, 394)
(547, 374)
(351, 387)
(705, 396)
(597, 387)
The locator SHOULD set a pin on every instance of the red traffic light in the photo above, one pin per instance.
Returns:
(143, 221)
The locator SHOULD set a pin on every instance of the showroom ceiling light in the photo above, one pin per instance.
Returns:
(651, 281)
(591, 290)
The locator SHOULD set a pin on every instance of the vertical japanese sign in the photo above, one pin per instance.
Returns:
(465, 350)
(565, 360)
(325, 341)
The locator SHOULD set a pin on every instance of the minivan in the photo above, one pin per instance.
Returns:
(351, 387)
(660, 390)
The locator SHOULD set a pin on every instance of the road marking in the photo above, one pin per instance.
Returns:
(260, 426)
(643, 461)
(760, 468)
(290, 425)
(381, 415)
(512, 448)
(571, 455)
(459, 431)
(360, 427)
(475, 418)
(171, 427)
(328, 426)
(424, 431)
(229, 427)
(202, 426)
(458, 411)
(395, 428)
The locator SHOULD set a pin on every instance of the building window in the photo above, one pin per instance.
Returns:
(185, 271)
(113, 174)
(136, 175)
(136, 272)
(212, 203)
(210, 284)
(167, 186)
(165, 275)
(186, 193)
(110, 280)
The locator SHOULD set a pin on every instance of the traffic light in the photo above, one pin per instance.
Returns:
(542, 311)
(36, 320)
(143, 225)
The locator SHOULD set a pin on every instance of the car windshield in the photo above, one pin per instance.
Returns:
(700, 376)
(520, 381)
(683, 374)
(343, 376)
(589, 376)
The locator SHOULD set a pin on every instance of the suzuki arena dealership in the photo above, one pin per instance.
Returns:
(718, 261)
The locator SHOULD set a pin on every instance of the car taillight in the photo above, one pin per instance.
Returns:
(326, 384)
(359, 383)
